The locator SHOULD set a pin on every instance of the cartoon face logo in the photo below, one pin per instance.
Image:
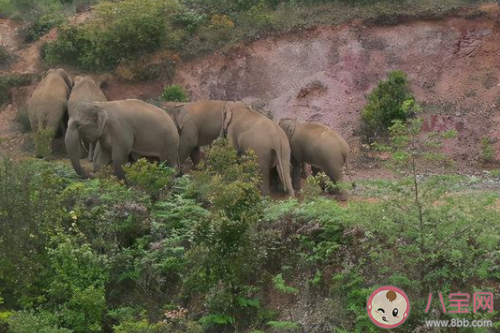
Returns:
(388, 307)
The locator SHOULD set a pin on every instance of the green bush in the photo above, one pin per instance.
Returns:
(174, 93)
(77, 288)
(43, 142)
(119, 30)
(9, 81)
(391, 100)
(30, 322)
(41, 26)
(23, 119)
(29, 216)
(149, 177)
(487, 151)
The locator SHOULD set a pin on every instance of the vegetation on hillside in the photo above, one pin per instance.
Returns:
(206, 253)
(125, 31)
(389, 102)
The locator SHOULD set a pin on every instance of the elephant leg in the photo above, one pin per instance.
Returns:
(195, 156)
(265, 185)
(296, 175)
(101, 158)
(91, 152)
(120, 156)
(336, 175)
(303, 171)
(188, 141)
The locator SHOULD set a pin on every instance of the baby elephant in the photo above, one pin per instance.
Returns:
(318, 145)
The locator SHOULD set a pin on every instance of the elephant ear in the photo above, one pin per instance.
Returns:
(66, 77)
(181, 116)
(97, 115)
(227, 116)
(288, 125)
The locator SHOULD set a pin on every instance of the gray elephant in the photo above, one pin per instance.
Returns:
(84, 90)
(318, 145)
(199, 124)
(48, 105)
(248, 129)
(123, 128)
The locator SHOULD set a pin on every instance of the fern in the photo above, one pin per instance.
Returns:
(280, 285)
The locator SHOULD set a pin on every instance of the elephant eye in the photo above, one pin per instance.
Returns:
(395, 312)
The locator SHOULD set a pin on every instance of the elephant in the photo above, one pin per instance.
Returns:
(248, 129)
(123, 128)
(199, 124)
(318, 145)
(84, 90)
(48, 105)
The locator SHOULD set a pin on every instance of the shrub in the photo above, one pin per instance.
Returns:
(31, 322)
(9, 81)
(43, 142)
(77, 288)
(23, 119)
(391, 100)
(174, 93)
(41, 26)
(149, 177)
(29, 216)
(487, 151)
(119, 30)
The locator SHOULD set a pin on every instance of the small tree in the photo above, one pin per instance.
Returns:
(386, 104)
(410, 149)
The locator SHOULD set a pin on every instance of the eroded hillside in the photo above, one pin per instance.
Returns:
(326, 73)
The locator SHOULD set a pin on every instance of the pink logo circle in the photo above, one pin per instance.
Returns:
(388, 307)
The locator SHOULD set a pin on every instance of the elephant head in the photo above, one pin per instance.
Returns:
(86, 124)
(63, 74)
(288, 125)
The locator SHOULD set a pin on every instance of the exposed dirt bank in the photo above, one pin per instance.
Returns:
(326, 73)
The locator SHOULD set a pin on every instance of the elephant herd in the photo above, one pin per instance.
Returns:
(117, 132)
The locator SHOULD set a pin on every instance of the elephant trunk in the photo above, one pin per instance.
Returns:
(72, 141)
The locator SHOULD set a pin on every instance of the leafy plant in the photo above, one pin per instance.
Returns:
(390, 101)
(42, 25)
(283, 326)
(30, 322)
(9, 81)
(280, 285)
(149, 177)
(43, 142)
(488, 153)
(174, 93)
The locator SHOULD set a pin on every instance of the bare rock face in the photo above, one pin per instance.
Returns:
(325, 75)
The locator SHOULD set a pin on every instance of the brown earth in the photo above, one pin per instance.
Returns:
(325, 74)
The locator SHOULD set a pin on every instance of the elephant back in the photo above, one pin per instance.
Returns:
(85, 90)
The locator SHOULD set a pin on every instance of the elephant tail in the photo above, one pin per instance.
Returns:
(282, 158)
